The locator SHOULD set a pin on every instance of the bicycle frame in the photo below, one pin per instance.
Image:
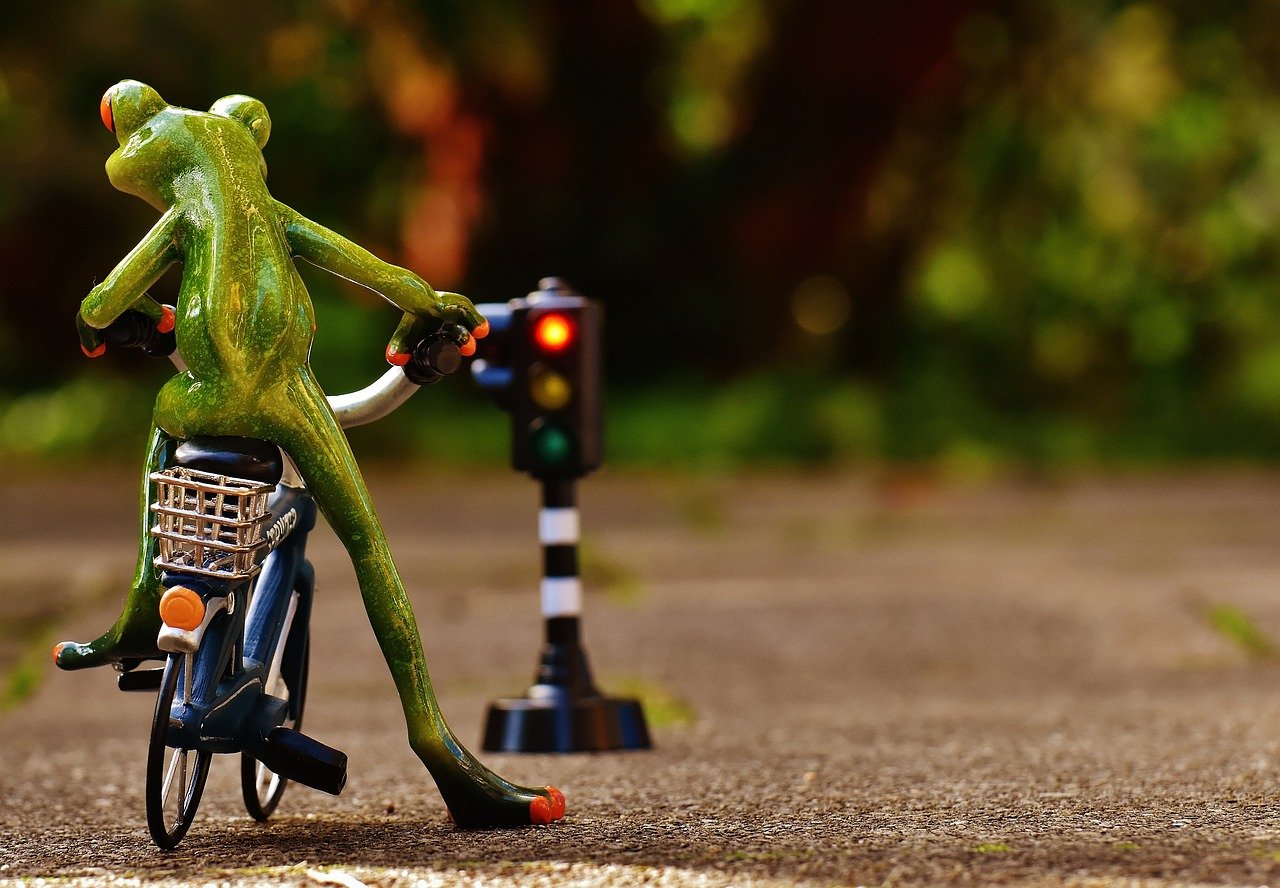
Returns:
(237, 609)
(226, 714)
(225, 709)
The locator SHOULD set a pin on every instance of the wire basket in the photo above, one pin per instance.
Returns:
(209, 524)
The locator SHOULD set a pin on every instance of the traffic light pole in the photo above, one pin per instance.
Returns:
(564, 669)
(542, 365)
(558, 531)
(563, 711)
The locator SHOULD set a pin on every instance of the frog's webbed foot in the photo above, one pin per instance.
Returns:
(128, 638)
(477, 798)
(548, 808)
(517, 807)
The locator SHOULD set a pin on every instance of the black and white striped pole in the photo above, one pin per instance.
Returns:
(543, 367)
(563, 711)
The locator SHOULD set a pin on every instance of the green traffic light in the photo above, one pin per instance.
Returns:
(552, 444)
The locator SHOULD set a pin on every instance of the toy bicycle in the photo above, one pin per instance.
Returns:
(232, 517)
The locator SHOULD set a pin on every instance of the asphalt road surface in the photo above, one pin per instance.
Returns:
(852, 681)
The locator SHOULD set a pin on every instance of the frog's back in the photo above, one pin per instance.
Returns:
(244, 313)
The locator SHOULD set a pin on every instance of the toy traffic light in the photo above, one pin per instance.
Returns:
(541, 363)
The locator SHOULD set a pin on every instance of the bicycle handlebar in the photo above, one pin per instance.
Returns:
(434, 358)
(133, 329)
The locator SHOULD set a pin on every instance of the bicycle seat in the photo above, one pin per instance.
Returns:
(248, 458)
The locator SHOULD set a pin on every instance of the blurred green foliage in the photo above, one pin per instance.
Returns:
(1030, 231)
(1238, 627)
(1096, 252)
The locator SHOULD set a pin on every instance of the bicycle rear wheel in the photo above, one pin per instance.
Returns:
(169, 814)
(262, 787)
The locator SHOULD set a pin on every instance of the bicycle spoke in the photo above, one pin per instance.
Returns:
(168, 777)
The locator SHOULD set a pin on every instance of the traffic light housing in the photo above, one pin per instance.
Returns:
(542, 364)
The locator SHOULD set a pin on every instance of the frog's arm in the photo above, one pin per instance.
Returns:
(126, 286)
(399, 286)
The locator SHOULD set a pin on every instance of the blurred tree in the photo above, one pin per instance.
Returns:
(1019, 226)
(688, 161)
(1092, 232)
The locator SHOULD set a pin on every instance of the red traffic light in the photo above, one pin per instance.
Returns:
(554, 332)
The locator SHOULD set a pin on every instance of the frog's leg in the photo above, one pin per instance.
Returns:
(134, 633)
(475, 796)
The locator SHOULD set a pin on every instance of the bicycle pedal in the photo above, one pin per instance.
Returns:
(140, 680)
(293, 754)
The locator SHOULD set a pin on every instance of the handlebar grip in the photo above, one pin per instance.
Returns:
(433, 359)
(133, 329)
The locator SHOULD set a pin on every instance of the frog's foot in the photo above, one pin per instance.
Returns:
(548, 808)
(73, 655)
(521, 807)
(111, 647)
(476, 797)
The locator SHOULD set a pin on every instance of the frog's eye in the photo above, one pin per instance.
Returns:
(104, 109)
(250, 112)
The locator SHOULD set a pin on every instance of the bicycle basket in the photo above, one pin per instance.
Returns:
(209, 524)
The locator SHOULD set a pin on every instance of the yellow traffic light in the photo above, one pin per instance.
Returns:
(549, 389)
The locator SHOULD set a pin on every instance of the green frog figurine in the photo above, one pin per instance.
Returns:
(244, 324)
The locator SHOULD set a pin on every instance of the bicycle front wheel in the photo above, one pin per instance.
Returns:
(175, 777)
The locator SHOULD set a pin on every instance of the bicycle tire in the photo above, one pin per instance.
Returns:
(160, 772)
(262, 788)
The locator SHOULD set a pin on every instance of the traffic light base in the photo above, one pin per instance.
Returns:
(559, 722)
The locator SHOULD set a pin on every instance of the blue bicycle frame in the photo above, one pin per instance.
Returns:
(228, 709)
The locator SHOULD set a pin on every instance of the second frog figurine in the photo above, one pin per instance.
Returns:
(244, 325)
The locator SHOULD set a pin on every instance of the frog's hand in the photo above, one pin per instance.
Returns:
(126, 286)
(399, 286)
(413, 329)
(145, 326)
(91, 341)
(161, 315)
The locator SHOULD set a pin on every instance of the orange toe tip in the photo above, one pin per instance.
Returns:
(96, 353)
(399, 359)
(541, 810)
(167, 319)
(57, 651)
(468, 348)
(482, 331)
(558, 804)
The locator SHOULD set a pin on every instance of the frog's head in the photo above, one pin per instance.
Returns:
(161, 143)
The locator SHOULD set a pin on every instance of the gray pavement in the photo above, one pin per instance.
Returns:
(855, 681)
